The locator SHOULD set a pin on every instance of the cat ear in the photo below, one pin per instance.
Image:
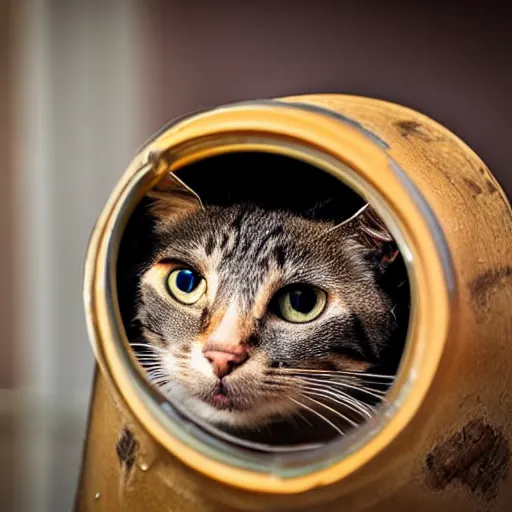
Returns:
(371, 232)
(171, 199)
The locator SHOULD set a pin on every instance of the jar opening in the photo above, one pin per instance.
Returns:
(264, 234)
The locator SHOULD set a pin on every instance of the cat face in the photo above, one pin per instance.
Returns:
(248, 313)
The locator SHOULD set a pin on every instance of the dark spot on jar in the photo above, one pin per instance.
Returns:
(482, 286)
(412, 129)
(477, 457)
(475, 189)
(491, 188)
(126, 449)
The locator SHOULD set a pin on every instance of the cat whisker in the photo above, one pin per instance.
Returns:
(152, 348)
(156, 376)
(327, 385)
(149, 365)
(154, 367)
(331, 380)
(346, 221)
(320, 377)
(379, 392)
(321, 416)
(143, 344)
(334, 411)
(369, 375)
(376, 393)
(302, 417)
(343, 399)
(335, 372)
(376, 383)
(392, 311)
(158, 379)
(348, 384)
(380, 395)
(161, 383)
(153, 357)
(156, 372)
(277, 383)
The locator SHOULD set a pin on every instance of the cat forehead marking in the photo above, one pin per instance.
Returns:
(226, 325)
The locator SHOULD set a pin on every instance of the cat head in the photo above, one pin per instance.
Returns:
(247, 312)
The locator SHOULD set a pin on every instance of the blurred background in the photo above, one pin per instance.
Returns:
(86, 82)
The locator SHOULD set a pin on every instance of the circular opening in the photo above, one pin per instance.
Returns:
(330, 145)
(268, 305)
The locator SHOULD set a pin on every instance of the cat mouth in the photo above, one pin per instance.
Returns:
(220, 398)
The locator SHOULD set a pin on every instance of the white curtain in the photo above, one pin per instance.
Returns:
(78, 111)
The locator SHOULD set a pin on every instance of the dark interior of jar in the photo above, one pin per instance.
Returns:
(272, 182)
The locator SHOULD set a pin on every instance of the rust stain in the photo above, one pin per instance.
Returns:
(126, 449)
(491, 188)
(482, 286)
(475, 189)
(412, 128)
(477, 457)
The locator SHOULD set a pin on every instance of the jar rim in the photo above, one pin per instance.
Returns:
(351, 156)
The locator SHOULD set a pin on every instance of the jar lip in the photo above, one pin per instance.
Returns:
(192, 139)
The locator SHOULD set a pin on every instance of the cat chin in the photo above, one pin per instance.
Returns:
(248, 419)
(260, 416)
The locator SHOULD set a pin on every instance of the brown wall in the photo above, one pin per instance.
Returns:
(8, 423)
(451, 62)
(6, 232)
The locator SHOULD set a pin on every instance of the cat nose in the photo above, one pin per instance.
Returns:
(224, 363)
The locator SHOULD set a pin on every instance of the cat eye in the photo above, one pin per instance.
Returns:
(186, 285)
(300, 303)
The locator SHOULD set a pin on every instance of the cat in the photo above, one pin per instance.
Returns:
(253, 318)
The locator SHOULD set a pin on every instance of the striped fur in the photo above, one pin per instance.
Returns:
(247, 253)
